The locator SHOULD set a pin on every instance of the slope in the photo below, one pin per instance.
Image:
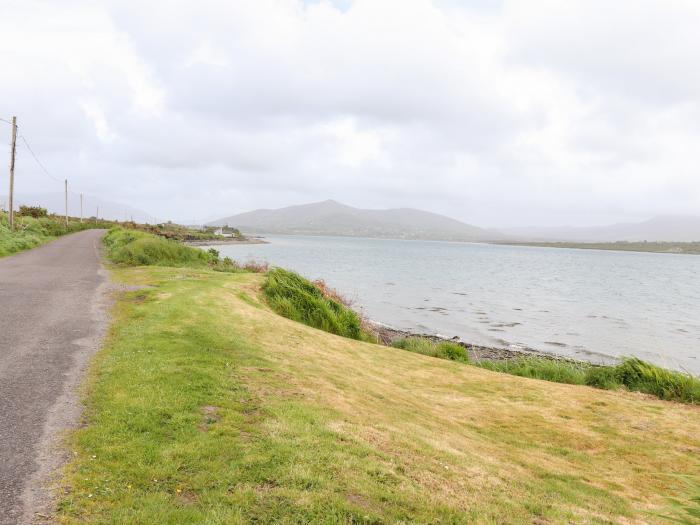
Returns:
(206, 407)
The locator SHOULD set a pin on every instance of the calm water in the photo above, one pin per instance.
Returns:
(587, 304)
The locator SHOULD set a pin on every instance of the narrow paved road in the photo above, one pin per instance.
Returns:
(51, 320)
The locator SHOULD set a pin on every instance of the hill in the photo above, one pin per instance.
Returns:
(670, 228)
(333, 218)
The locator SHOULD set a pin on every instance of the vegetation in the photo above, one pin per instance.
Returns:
(632, 374)
(440, 349)
(685, 509)
(296, 298)
(31, 231)
(177, 232)
(692, 248)
(136, 248)
(204, 406)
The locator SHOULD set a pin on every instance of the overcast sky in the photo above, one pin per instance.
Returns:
(494, 112)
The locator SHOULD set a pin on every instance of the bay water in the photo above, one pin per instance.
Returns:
(591, 305)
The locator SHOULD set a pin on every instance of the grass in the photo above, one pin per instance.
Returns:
(136, 248)
(205, 406)
(296, 298)
(30, 232)
(685, 509)
(632, 374)
(442, 350)
(541, 368)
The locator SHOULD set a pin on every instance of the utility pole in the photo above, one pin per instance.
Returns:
(66, 192)
(97, 214)
(10, 216)
(81, 208)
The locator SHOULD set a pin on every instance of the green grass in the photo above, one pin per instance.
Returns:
(685, 509)
(540, 368)
(296, 298)
(442, 350)
(632, 374)
(138, 248)
(206, 407)
(31, 232)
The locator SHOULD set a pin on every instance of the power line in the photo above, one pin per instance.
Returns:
(9, 122)
(37, 159)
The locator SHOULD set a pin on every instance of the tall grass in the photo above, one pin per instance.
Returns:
(137, 248)
(632, 374)
(296, 298)
(541, 368)
(442, 349)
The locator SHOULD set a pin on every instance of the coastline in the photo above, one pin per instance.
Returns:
(387, 335)
(223, 242)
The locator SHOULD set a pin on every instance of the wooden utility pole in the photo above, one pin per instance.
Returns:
(81, 208)
(11, 212)
(66, 193)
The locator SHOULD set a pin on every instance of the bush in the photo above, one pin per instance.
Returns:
(136, 248)
(296, 298)
(442, 350)
(32, 211)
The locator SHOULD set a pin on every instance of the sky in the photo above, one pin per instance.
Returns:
(497, 113)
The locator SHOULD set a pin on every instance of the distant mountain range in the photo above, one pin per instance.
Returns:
(55, 203)
(678, 228)
(333, 218)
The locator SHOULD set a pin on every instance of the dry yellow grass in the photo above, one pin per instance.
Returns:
(470, 436)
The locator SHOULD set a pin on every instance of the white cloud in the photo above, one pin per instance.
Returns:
(495, 112)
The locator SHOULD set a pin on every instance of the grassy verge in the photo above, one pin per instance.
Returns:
(204, 406)
(30, 232)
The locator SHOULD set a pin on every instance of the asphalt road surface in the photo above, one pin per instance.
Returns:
(51, 320)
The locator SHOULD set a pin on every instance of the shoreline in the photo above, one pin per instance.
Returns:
(223, 242)
(387, 335)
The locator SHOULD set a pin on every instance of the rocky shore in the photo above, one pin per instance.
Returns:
(388, 335)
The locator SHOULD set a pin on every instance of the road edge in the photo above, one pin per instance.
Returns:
(39, 496)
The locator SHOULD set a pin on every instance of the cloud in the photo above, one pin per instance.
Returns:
(496, 112)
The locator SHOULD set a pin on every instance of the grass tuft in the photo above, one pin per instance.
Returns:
(296, 298)
(442, 350)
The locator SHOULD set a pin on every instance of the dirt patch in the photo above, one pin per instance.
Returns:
(210, 416)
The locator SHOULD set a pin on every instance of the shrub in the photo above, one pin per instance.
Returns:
(425, 346)
(296, 298)
(32, 211)
(137, 248)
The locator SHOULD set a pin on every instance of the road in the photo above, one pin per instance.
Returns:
(52, 318)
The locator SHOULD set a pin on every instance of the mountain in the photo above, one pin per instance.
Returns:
(55, 203)
(678, 228)
(333, 218)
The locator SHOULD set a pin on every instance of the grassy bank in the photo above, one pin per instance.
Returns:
(205, 406)
(30, 232)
